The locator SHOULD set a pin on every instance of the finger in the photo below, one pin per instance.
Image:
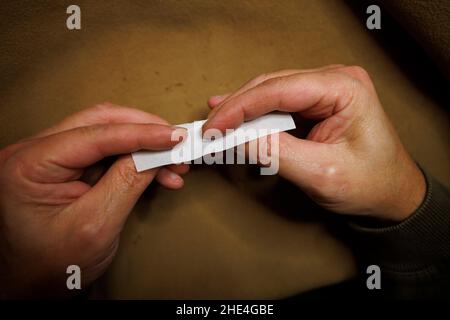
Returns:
(179, 168)
(169, 176)
(264, 77)
(313, 95)
(216, 100)
(78, 148)
(103, 113)
(169, 179)
(92, 174)
(106, 206)
(251, 84)
(61, 193)
(300, 160)
(256, 151)
(297, 160)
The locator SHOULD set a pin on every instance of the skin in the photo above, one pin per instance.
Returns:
(59, 205)
(352, 161)
(53, 216)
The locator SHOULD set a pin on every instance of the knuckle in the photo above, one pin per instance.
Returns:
(8, 151)
(88, 231)
(358, 73)
(20, 165)
(330, 180)
(18, 170)
(357, 82)
(277, 86)
(269, 77)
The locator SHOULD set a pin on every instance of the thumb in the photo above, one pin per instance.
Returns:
(115, 195)
(302, 161)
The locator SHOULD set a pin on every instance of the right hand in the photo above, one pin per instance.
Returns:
(53, 215)
(352, 161)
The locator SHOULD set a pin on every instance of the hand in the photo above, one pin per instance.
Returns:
(352, 161)
(53, 215)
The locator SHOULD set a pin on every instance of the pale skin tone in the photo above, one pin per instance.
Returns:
(52, 217)
(352, 161)
(57, 210)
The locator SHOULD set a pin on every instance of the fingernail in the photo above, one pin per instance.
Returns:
(179, 134)
(206, 136)
(174, 177)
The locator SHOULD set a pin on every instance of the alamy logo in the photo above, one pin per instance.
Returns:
(236, 146)
(74, 279)
(73, 22)
(374, 20)
(374, 280)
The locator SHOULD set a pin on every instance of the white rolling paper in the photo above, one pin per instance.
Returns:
(195, 147)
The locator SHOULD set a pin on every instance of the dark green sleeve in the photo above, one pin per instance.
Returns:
(414, 255)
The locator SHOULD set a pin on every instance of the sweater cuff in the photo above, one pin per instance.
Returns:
(423, 239)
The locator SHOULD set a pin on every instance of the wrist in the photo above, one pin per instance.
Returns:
(415, 243)
(406, 194)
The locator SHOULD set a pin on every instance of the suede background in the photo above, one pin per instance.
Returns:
(229, 233)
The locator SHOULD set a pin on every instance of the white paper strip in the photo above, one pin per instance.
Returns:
(195, 147)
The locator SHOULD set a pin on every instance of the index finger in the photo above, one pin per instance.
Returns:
(314, 95)
(81, 147)
(103, 113)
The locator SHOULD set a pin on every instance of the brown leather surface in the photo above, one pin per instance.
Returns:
(229, 233)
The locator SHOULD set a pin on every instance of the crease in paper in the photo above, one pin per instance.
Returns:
(195, 147)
